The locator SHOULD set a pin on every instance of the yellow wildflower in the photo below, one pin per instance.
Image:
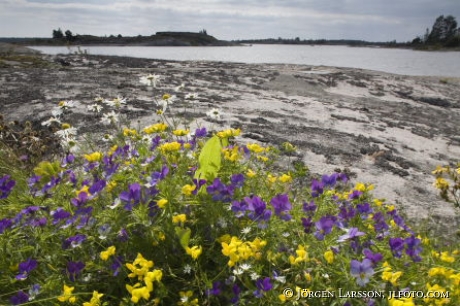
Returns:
(254, 147)
(93, 157)
(179, 218)
(446, 257)
(181, 132)
(228, 133)
(95, 300)
(162, 203)
(440, 170)
(285, 178)
(65, 126)
(250, 173)
(188, 189)
(166, 96)
(170, 147)
(138, 292)
(302, 255)
(67, 295)
(129, 132)
(391, 277)
(271, 178)
(231, 154)
(329, 256)
(262, 158)
(105, 255)
(441, 184)
(155, 128)
(401, 302)
(194, 251)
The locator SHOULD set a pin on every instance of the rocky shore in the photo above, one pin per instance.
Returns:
(385, 129)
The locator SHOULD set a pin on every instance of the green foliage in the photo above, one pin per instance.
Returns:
(210, 159)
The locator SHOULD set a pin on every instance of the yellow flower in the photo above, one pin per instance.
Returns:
(129, 132)
(231, 154)
(440, 170)
(155, 128)
(105, 255)
(169, 147)
(67, 295)
(401, 302)
(302, 255)
(254, 147)
(185, 299)
(250, 173)
(378, 202)
(95, 300)
(441, 184)
(162, 203)
(329, 256)
(65, 126)
(188, 189)
(93, 157)
(166, 96)
(181, 132)
(446, 257)
(228, 133)
(391, 277)
(285, 178)
(138, 292)
(271, 178)
(179, 218)
(194, 251)
(262, 158)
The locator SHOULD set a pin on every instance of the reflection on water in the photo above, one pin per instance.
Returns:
(400, 61)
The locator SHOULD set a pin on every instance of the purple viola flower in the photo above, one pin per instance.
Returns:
(329, 180)
(123, 235)
(5, 224)
(347, 212)
(54, 181)
(97, 187)
(74, 269)
(282, 206)
(324, 226)
(237, 180)
(236, 291)
(263, 285)
(362, 271)
(397, 246)
(258, 211)
(380, 223)
(74, 241)
(374, 257)
(25, 268)
(199, 133)
(20, 298)
(307, 224)
(355, 195)
(219, 191)
(117, 264)
(38, 222)
(413, 248)
(159, 175)
(131, 197)
(6, 186)
(239, 208)
(317, 188)
(215, 290)
(198, 183)
(309, 208)
(81, 199)
(59, 214)
(364, 209)
(351, 233)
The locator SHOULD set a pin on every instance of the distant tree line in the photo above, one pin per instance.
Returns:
(444, 33)
(57, 34)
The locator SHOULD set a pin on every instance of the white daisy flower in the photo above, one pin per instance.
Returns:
(150, 80)
(254, 276)
(109, 118)
(99, 99)
(245, 266)
(215, 114)
(191, 96)
(187, 269)
(238, 271)
(117, 102)
(65, 105)
(246, 230)
(51, 121)
(56, 112)
(107, 137)
(95, 108)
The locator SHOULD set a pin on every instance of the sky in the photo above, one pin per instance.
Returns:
(371, 20)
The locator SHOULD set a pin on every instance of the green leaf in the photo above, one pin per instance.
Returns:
(210, 159)
(184, 236)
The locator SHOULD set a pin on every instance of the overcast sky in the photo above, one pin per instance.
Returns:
(372, 20)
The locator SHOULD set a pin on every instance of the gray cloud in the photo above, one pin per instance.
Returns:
(379, 20)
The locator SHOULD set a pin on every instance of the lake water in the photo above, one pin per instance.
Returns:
(399, 61)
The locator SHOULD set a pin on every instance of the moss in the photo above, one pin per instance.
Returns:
(23, 61)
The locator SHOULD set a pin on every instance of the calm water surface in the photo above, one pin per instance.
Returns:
(399, 61)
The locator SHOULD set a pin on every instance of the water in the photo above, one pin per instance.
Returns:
(399, 61)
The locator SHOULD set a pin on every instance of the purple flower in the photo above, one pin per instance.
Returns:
(397, 246)
(380, 224)
(346, 213)
(262, 285)
(123, 235)
(59, 214)
(159, 175)
(80, 200)
(362, 271)
(374, 257)
(355, 195)
(239, 208)
(413, 248)
(6, 186)
(97, 187)
(282, 206)
(25, 268)
(236, 291)
(258, 211)
(5, 224)
(317, 188)
(201, 132)
(219, 191)
(117, 264)
(215, 290)
(198, 183)
(329, 181)
(309, 208)
(324, 226)
(351, 233)
(307, 224)
(132, 196)
(74, 269)
(20, 298)
(237, 180)
(74, 241)
(364, 210)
